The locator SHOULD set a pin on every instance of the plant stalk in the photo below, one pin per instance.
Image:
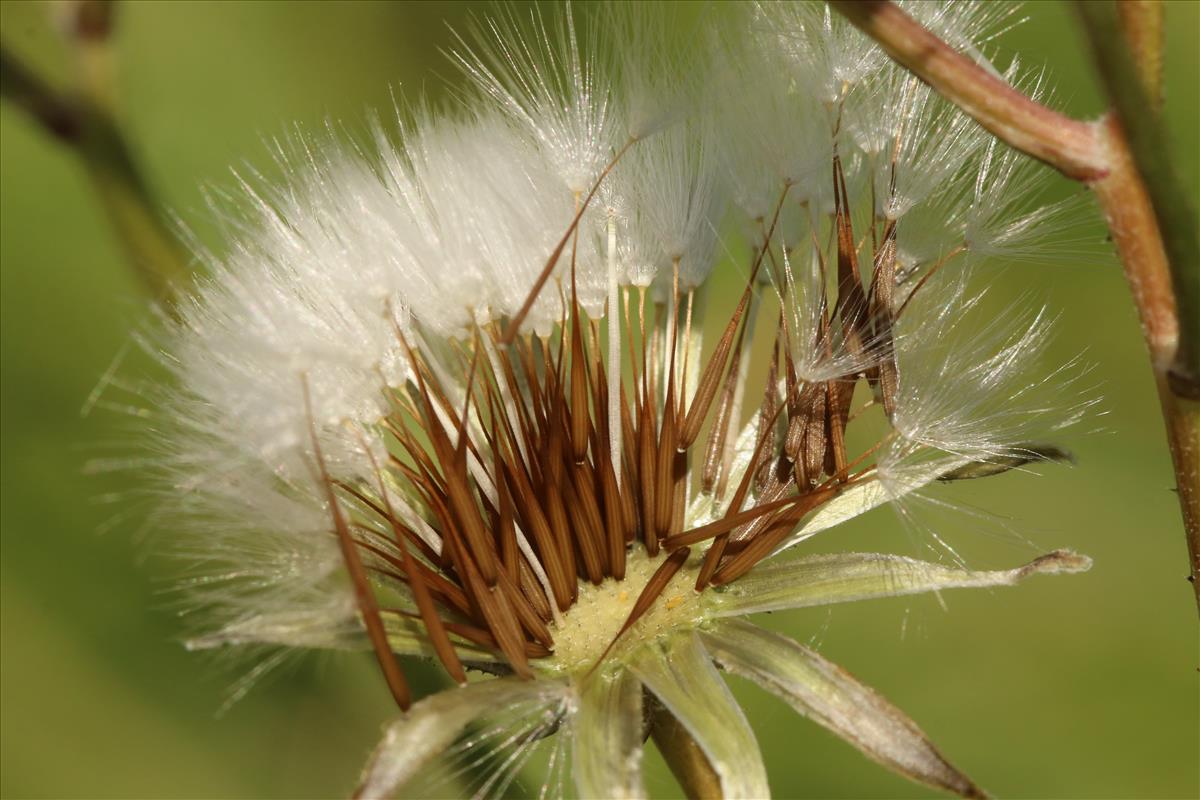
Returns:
(1067, 144)
(1126, 47)
(1154, 230)
(85, 121)
(687, 761)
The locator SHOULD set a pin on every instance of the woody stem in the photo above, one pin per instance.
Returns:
(1123, 159)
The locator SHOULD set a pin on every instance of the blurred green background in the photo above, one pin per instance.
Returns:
(1073, 687)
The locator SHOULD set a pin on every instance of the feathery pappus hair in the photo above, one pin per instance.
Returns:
(480, 390)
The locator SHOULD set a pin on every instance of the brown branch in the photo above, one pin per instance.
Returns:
(1134, 89)
(1068, 145)
(1123, 158)
(1127, 210)
(1127, 37)
(1153, 229)
(1142, 22)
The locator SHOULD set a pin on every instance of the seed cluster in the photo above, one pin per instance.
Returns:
(530, 492)
(473, 369)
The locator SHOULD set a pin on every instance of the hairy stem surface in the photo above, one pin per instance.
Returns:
(1067, 144)
(86, 123)
(1153, 229)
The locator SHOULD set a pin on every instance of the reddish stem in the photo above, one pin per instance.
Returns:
(1067, 144)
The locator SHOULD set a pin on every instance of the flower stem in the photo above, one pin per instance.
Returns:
(1127, 51)
(1142, 23)
(85, 121)
(687, 761)
(1123, 158)
(1153, 229)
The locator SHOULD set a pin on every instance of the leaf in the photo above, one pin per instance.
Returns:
(434, 723)
(835, 699)
(682, 676)
(608, 737)
(845, 577)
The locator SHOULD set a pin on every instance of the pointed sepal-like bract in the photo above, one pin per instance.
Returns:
(998, 465)
(845, 577)
(432, 725)
(608, 736)
(681, 675)
(331, 629)
(835, 699)
(870, 493)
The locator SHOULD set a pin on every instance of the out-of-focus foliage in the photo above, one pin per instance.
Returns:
(1080, 688)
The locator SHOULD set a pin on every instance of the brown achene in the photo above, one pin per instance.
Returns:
(517, 482)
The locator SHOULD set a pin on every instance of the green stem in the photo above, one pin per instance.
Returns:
(687, 761)
(86, 125)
